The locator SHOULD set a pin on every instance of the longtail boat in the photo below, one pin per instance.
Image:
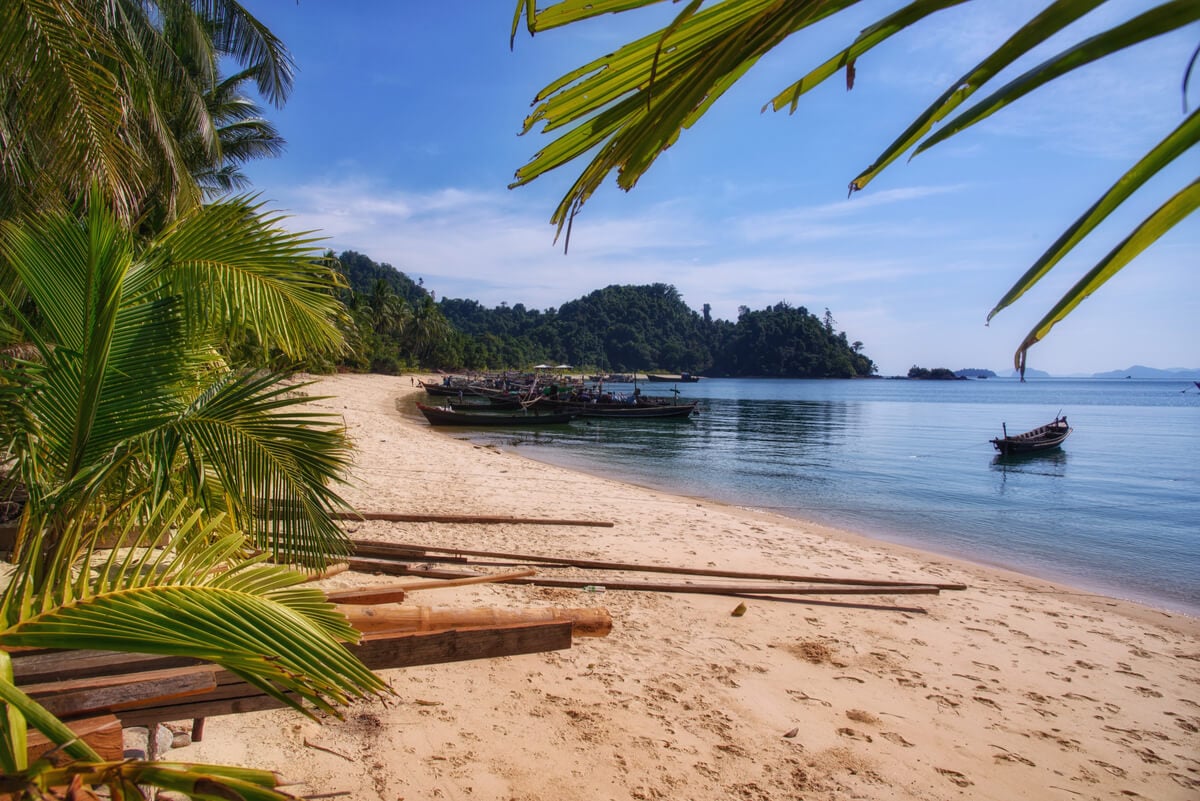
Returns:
(1042, 438)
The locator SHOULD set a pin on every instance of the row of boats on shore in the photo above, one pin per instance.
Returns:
(505, 403)
(500, 402)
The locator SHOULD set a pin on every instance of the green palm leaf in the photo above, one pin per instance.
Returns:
(629, 106)
(1172, 147)
(1149, 231)
(249, 446)
(234, 265)
(1155, 22)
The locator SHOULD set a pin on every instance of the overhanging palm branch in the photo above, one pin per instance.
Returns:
(629, 106)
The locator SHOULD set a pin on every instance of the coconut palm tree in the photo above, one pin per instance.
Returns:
(127, 394)
(127, 428)
(629, 106)
(99, 91)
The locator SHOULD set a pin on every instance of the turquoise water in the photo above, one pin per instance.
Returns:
(1115, 511)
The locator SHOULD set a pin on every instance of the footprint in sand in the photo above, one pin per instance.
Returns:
(955, 776)
(1113, 769)
(893, 737)
(855, 735)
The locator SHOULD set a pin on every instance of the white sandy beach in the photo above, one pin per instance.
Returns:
(1012, 689)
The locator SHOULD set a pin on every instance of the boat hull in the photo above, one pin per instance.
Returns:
(1043, 438)
(448, 417)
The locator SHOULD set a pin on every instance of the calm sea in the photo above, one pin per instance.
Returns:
(1115, 511)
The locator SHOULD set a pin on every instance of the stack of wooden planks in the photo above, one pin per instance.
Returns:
(97, 693)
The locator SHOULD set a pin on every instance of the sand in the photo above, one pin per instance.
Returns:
(1014, 688)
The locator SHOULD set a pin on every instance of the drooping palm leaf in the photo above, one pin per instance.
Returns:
(1153, 23)
(1178, 142)
(1166, 217)
(631, 105)
(196, 597)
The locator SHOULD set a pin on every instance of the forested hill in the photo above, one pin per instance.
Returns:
(619, 328)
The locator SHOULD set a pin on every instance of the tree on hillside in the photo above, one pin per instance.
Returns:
(625, 108)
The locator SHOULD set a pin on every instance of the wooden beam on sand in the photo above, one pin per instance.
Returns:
(394, 568)
(397, 517)
(589, 622)
(72, 698)
(409, 551)
(377, 651)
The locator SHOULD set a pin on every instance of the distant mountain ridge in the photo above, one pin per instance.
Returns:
(1141, 371)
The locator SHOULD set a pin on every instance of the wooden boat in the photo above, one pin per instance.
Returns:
(682, 378)
(1042, 438)
(444, 390)
(627, 411)
(449, 417)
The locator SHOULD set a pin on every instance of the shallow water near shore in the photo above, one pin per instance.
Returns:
(1115, 511)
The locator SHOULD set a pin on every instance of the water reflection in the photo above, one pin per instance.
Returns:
(1045, 463)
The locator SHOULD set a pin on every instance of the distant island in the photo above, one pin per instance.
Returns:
(974, 372)
(935, 374)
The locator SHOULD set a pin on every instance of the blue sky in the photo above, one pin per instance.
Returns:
(402, 139)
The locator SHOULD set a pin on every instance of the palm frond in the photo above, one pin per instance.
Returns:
(1155, 22)
(234, 264)
(1166, 217)
(1178, 142)
(250, 447)
(53, 61)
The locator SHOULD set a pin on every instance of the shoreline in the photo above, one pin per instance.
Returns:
(1013, 687)
(877, 535)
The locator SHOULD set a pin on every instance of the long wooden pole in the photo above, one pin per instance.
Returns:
(409, 551)
(392, 593)
(734, 589)
(397, 517)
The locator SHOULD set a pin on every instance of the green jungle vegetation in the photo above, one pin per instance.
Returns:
(618, 328)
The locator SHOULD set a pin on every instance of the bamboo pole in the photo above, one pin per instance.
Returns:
(407, 550)
(734, 589)
(594, 622)
(397, 517)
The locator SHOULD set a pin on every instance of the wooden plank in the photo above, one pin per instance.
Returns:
(588, 622)
(378, 651)
(392, 549)
(102, 733)
(73, 698)
(35, 667)
(397, 517)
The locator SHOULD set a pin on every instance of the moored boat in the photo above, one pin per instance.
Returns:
(682, 378)
(438, 416)
(1042, 438)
